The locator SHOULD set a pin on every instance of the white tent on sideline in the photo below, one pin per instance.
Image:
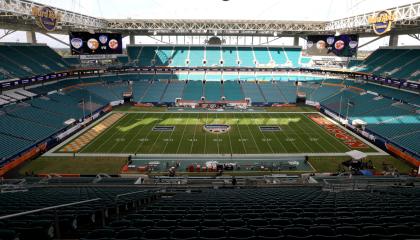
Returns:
(356, 155)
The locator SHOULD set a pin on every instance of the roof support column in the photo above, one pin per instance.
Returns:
(296, 41)
(393, 40)
(132, 38)
(30, 37)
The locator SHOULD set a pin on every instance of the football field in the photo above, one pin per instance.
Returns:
(183, 133)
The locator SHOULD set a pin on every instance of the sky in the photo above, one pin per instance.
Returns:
(308, 10)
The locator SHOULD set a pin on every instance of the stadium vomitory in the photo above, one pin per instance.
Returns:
(197, 119)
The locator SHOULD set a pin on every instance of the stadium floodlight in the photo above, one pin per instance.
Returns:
(215, 33)
(154, 33)
(275, 34)
(337, 33)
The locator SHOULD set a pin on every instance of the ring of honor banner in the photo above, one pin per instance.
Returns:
(330, 45)
(84, 43)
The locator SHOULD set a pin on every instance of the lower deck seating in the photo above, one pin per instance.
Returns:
(72, 219)
(288, 90)
(272, 213)
(155, 92)
(232, 91)
(271, 92)
(251, 90)
(213, 91)
(173, 91)
(193, 90)
(9, 150)
(139, 90)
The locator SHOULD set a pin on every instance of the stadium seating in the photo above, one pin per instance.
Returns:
(322, 92)
(305, 60)
(293, 55)
(163, 55)
(252, 90)
(196, 56)
(271, 92)
(272, 213)
(24, 129)
(193, 90)
(174, 90)
(278, 55)
(232, 91)
(230, 56)
(37, 115)
(72, 61)
(155, 91)
(395, 62)
(262, 55)
(248, 56)
(23, 60)
(72, 219)
(146, 56)
(179, 57)
(288, 90)
(9, 150)
(213, 91)
(139, 90)
(213, 56)
(122, 59)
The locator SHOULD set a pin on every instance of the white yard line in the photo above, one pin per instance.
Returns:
(335, 139)
(182, 136)
(282, 132)
(301, 137)
(193, 139)
(321, 135)
(266, 139)
(135, 135)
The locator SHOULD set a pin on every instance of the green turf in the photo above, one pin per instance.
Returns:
(332, 164)
(133, 134)
(139, 109)
(113, 165)
(78, 165)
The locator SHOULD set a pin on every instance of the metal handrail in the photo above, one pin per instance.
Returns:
(130, 193)
(47, 208)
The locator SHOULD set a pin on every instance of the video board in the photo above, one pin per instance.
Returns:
(330, 45)
(85, 43)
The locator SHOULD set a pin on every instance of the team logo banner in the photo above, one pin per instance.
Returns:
(46, 17)
(382, 22)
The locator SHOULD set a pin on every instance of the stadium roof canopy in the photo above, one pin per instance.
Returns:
(17, 15)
